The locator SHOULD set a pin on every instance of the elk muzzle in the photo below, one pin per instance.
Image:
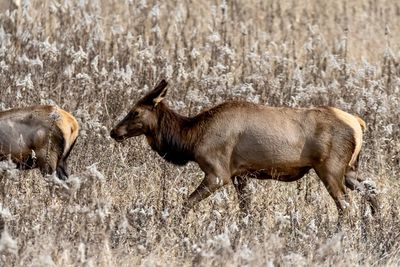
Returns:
(116, 135)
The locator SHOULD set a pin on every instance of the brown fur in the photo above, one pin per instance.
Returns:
(38, 137)
(241, 140)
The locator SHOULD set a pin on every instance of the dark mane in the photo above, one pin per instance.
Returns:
(176, 136)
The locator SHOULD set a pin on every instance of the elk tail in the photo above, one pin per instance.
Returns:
(362, 123)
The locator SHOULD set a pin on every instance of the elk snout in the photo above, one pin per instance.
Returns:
(114, 134)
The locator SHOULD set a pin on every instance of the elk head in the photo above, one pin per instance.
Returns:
(142, 118)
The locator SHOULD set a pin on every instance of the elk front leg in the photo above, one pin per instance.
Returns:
(243, 193)
(209, 185)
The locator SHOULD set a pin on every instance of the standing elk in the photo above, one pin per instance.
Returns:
(38, 137)
(235, 141)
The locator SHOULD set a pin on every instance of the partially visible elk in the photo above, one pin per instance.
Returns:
(38, 137)
(235, 141)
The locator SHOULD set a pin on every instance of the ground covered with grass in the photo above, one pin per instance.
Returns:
(122, 203)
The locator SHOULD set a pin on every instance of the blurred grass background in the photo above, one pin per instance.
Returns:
(123, 202)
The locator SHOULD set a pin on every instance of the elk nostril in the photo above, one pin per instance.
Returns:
(112, 134)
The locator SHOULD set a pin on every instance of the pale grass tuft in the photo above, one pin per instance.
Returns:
(94, 172)
(4, 212)
(332, 246)
(7, 165)
(7, 243)
(44, 260)
(54, 181)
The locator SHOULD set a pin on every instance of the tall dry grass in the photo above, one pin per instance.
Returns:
(122, 203)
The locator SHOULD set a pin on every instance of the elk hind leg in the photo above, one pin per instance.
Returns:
(47, 163)
(369, 191)
(334, 183)
(62, 167)
(62, 170)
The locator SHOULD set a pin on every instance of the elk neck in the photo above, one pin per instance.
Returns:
(175, 137)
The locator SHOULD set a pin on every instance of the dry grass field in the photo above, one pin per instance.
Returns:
(122, 203)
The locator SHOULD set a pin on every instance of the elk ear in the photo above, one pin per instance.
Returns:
(159, 92)
(156, 95)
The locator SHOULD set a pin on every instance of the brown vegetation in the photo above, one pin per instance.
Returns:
(122, 203)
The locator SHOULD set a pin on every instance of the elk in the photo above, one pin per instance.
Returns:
(38, 137)
(238, 140)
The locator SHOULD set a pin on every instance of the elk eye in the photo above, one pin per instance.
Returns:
(133, 114)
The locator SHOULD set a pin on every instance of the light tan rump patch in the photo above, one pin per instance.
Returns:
(358, 125)
(69, 127)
